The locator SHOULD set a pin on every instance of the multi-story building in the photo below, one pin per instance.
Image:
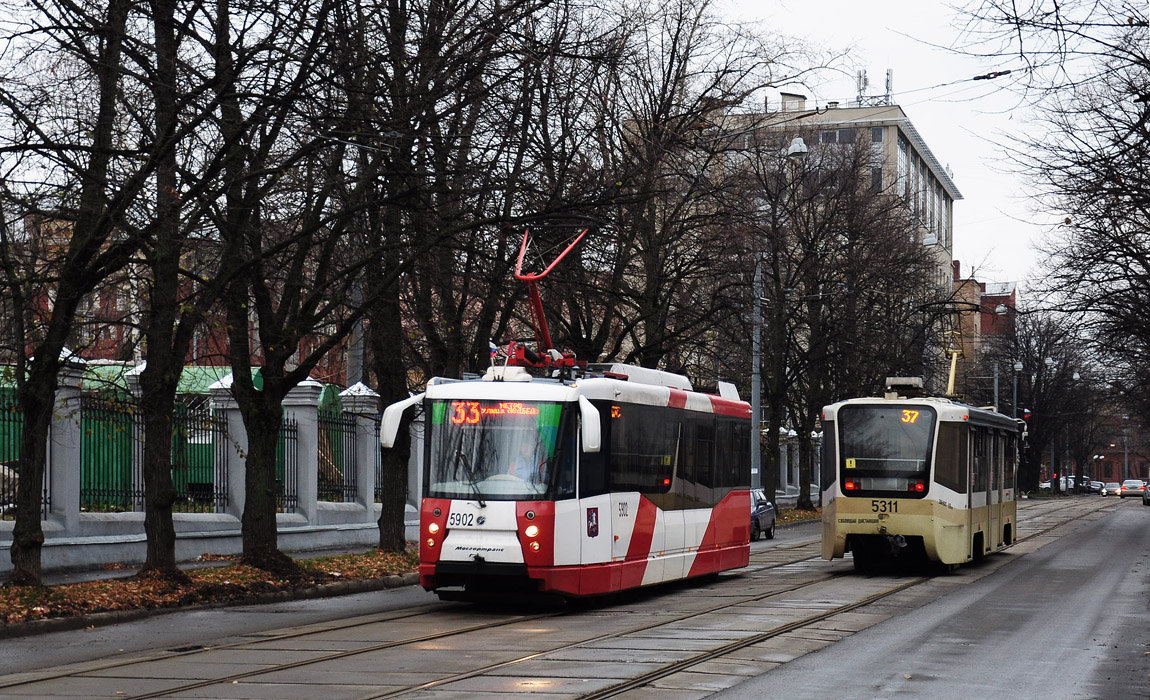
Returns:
(901, 163)
(986, 311)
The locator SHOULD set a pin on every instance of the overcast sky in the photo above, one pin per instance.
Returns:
(995, 228)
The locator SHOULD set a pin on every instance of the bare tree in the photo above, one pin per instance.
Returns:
(1086, 71)
(90, 179)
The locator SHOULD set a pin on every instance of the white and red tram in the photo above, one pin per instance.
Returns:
(618, 478)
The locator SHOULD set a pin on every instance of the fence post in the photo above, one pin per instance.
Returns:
(64, 447)
(132, 378)
(363, 403)
(235, 447)
(302, 405)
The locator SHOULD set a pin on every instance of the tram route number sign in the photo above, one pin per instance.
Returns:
(472, 412)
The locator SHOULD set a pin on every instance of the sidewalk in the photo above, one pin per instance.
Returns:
(56, 578)
(303, 591)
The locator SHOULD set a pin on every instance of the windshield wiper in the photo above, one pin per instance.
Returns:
(469, 472)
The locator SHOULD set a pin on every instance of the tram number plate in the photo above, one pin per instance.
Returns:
(884, 506)
(461, 520)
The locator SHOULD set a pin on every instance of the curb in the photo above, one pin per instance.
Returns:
(113, 617)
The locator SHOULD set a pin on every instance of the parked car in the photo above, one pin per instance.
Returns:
(1132, 487)
(1064, 484)
(762, 515)
(1146, 497)
(1096, 486)
(1111, 488)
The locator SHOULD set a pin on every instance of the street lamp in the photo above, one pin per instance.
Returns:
(796, 153)
(1014, 402)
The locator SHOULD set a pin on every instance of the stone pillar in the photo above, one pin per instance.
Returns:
(235, 446)
(363, 403)
(64, 455)
(302, 406)
(784, 461)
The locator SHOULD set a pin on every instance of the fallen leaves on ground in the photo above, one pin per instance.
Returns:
(790, 515)
(215, 584)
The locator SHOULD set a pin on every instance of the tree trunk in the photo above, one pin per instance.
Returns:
(386, 338)
(258, 524)
(27, 534)
(165, 357)
(805, 459)
(158, 383)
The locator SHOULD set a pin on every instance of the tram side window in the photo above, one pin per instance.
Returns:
(996, 460)
(593, 477)
(688, 453)
(643, 449)
(732, 456)
(950, 462)
(704, 452)
(829, 457)
(1010, 461)
(981, 464)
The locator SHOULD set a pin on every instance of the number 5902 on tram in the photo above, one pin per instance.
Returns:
(917, 478)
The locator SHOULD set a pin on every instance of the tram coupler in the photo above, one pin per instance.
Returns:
(896, 543)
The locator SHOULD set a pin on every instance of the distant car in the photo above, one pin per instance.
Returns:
(1146, 497)
(1132, 487)
(1064, 485)
(1096, 486)
(1111, 488)
(762, 515)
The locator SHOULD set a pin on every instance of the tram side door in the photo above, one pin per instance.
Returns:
(970, 471)
(994, 492)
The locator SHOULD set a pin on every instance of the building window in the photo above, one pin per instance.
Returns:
(903, 168)
(876, 178)
(876, 134)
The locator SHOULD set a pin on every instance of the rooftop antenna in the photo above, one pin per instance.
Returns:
(889, 85)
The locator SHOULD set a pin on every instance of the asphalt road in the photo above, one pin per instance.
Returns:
(1069, 620)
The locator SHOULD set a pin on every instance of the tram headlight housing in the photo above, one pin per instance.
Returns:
(531, 531)
(433, 528)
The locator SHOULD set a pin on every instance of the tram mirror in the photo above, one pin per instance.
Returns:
(592, 433)
(393, 418)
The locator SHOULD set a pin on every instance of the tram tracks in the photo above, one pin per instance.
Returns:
(764, 563)
(485, 626)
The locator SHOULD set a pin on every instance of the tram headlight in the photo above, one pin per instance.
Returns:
(430, 541)
(531, 531)
(535, 546)
(433, 528)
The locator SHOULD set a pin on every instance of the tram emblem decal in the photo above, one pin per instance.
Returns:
(592, 522)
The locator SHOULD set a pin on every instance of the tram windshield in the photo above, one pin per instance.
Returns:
(500, 450)
(885, 449)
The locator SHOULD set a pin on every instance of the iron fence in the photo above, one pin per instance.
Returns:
(112, 457)
(199, 460)
(111, 453)
(287, 467)
(337, 479)
(378, 466)
(11, 429)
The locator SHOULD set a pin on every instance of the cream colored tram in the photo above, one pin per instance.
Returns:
(917, 479)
